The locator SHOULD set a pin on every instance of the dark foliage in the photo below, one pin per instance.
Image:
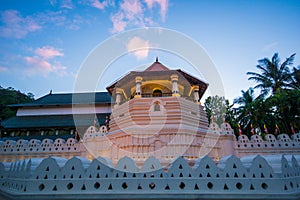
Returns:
(10, 96)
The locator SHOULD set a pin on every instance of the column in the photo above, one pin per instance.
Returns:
(175, 90)
(118, 97)
(196, 94)
(138, 86)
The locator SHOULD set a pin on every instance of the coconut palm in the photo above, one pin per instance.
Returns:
(252, 111)
(274, 75)
(246, 109)
(296, 78)
(286, 104)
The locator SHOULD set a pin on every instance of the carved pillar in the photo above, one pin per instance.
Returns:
(138, 86)
(196, 94)
(118, 97)
(175, 90)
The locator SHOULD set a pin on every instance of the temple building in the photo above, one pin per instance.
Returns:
(146, 138)
(51, 116)
(151, 113)
(156, 112)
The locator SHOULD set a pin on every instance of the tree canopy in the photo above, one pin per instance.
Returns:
(10, 96)
(273, 75)
(277, 108)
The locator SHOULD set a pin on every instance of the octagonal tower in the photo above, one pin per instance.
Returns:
(157, 112)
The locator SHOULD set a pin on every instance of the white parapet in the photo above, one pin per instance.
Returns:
(253, 177)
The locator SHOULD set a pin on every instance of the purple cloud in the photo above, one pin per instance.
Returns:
(16, 26)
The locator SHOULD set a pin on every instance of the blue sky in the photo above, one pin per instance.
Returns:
(43, 43)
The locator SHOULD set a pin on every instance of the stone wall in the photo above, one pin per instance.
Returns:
(254, 177)
(11, 150)
(216, 143)
(283, 144)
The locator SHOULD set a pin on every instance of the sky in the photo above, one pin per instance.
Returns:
(44, 43)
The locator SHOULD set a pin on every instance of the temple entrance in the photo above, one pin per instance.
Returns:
(157, 93)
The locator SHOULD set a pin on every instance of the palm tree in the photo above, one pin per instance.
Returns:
(286, 104)
(245, 111)
(274, 76)
(252, 111)
(296, 78)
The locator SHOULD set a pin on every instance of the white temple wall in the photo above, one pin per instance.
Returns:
(283, 144)
(164, 146)
(252, 177)
(226, 143)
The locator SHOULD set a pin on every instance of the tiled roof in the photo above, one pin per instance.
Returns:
(53, 121)
(156, 66)
(157, 71)
(69, 99)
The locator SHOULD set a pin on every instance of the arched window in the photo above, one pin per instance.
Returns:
(157, 93)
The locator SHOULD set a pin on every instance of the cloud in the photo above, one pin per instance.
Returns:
(270, 46)
(163, 4)
(43, 62)
(67, 4)
(119, 24)
(3, 69)
(37, 65)
(135, 13)
(139, 47)
(16, 26)
(52, 2)
(102, 5)
(131, 11)
(48, 52)
(56, 18)
(62, 18)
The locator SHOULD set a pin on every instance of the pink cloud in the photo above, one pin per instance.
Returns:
(100, 5)
(132, 9)
(39, 66)
(163, 6)
(132, 13)
(67, 4)
(59, 18)
(119, 24)
(3, 69)
(15, 26)
(62, 3)
(139, 47)
(43, 62)
(48, 52)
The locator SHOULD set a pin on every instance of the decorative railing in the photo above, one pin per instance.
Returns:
(34, 146)
(282, 141)
(150, 95)
(249, 177)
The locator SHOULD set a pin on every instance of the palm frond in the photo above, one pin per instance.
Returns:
(275, 59)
